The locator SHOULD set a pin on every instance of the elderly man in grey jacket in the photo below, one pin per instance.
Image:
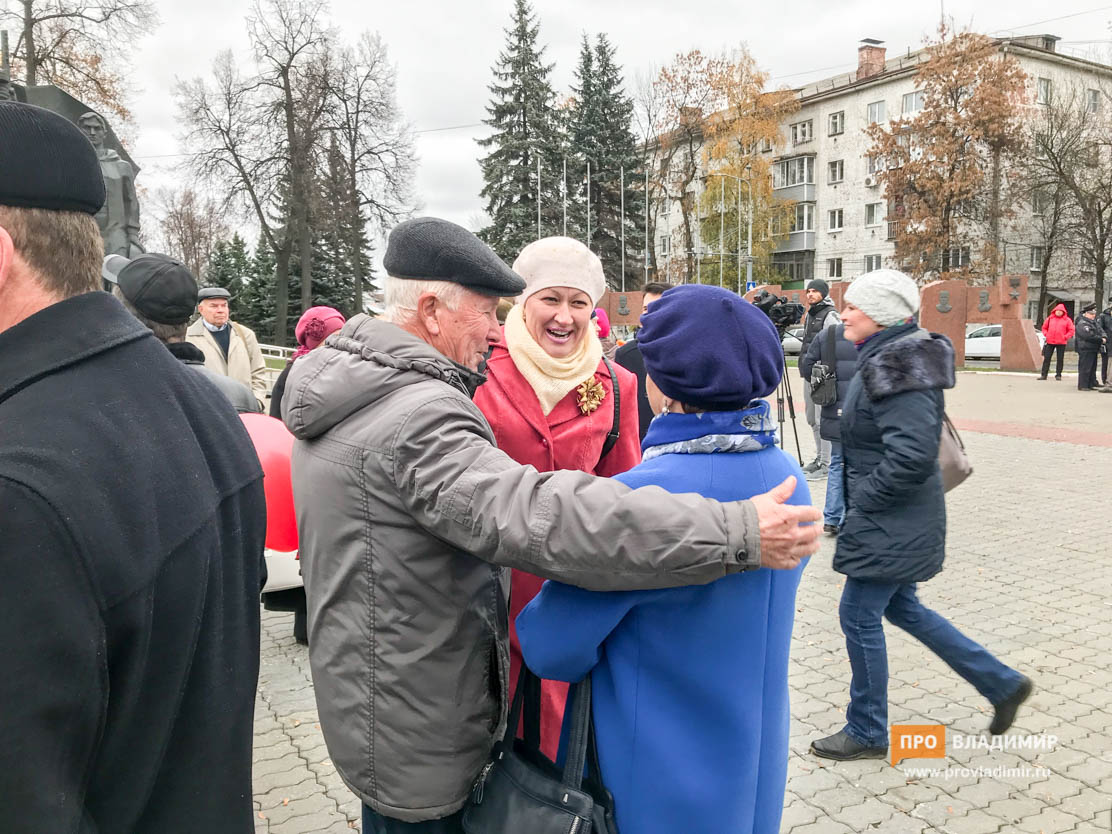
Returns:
(408, 515)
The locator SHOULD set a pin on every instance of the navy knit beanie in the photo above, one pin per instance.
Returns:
(704, 346)
(46, 162)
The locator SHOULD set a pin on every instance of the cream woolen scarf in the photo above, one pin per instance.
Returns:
(550, 378)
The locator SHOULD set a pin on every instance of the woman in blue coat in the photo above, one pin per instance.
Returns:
(894, 534)
(690, 684)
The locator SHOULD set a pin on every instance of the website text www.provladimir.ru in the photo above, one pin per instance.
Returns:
(928, 741)
(1001, 772)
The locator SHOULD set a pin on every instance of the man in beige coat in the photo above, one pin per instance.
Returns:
(230, 348)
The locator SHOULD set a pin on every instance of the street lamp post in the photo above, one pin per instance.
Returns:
(749, 250)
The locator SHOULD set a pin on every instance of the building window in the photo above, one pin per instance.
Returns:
(837, 123)
(874, 164)
(1037, 258)
(835, 171)
(877, 112)
(1092, 97)
(803, 220)
(797, 171)
(802, 132)
(955, 258)
(872, 262)
(1043, 96)
(833, 267)
(662, 249)
(874, 214)
(913, 102)
(766, 145)
(1038, 202)
(834, 220)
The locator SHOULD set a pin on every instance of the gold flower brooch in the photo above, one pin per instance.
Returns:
(591, 394)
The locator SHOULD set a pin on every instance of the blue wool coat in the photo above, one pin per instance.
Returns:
(690, 684)
(895, 526)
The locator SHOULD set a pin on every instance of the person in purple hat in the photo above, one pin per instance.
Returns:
(690, 684)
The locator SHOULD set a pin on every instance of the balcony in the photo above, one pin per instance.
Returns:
(798, 242)
(802, 193)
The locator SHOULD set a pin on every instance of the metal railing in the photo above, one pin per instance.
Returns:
(275, 352)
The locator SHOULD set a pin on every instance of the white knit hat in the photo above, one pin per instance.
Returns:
(560, 262)
(885, 295)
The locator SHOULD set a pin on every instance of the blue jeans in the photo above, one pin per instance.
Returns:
(835, 510)
(375, 823)
(863, 604)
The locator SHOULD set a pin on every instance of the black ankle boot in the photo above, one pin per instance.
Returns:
(1005, 711)
(842, 748)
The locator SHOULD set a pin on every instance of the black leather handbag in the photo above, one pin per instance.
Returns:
(521, 791)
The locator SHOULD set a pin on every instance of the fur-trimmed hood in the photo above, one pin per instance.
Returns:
(916, 361)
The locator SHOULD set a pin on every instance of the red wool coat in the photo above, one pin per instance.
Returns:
(565, 439)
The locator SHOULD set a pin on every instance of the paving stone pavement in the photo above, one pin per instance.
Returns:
(1028, 573)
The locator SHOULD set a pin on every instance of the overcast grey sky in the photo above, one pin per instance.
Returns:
(444, 52)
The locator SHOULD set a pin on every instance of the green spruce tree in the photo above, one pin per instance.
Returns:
(229, 265)
(526, 131)
(602, 133)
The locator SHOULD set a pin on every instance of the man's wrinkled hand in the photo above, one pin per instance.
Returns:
(787, 531)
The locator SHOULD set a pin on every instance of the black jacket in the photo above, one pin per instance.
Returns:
(817, 315)
(1104, 321)
(278, 390)
(895, 527)
(845, 366)
(239, 395)
(1088, 336)
(629, 357)
(131, 538)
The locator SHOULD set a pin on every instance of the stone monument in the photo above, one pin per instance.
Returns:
(119, 217)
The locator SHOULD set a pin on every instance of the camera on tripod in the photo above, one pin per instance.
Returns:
(783, 313)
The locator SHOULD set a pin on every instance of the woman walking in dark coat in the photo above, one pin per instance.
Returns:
(894, 534)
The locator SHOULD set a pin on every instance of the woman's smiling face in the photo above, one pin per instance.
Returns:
(558, 319)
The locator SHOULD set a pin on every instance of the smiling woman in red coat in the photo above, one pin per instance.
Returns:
(549, 397)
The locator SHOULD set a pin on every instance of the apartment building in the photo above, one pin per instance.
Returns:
(840, 228)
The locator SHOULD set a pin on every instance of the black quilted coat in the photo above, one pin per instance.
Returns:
(895, 527)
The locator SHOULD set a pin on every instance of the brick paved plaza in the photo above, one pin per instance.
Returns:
(1028, 573)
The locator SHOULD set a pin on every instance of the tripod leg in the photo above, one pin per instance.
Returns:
(786, 386)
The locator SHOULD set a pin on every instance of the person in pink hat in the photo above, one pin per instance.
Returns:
(315, 325)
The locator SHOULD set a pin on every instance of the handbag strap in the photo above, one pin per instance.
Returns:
(615, 431)
(953, 431)
(525, 685)
(576, 757)
(827, 351)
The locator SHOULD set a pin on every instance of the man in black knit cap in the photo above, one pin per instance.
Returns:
(131, 534)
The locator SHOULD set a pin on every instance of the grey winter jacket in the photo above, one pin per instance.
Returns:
(408, 515)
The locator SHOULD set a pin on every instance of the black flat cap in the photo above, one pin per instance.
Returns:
(160, 288)
(46, 162)
(213, 292)
(431, 249)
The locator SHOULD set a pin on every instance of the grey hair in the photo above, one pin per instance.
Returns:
(401, 294)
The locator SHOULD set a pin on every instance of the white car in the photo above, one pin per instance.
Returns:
(793, 340)
(284, 589)
(984, 342)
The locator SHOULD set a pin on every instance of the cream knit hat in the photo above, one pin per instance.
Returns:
(560, 262)
(884, 295)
